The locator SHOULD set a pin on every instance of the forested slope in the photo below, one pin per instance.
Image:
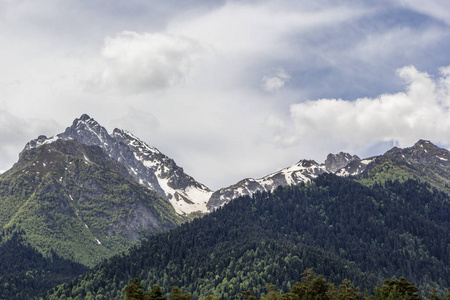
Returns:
(25, 273)
(337, 226)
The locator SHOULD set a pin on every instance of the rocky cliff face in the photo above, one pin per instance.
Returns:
(334, 162)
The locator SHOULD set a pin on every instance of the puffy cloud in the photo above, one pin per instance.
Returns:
(138, 62)
(422, 111)
(275, 81)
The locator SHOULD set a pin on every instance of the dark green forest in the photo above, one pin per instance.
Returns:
(311, 287)
(25, 273)
(339, 227)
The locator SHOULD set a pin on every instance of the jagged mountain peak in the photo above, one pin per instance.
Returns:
(422, 143)
(334, 162)
(146, 164)
(306, 163)
(85, 121)
(88, 131)
(85, 117)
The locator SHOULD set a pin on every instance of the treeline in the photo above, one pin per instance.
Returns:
(311, 287)
(338, 226)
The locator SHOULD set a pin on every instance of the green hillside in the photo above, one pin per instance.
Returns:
(337, 226)
(73, 199)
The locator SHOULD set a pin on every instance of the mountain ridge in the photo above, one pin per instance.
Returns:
(151, 168)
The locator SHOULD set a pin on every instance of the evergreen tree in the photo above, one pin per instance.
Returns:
(135, 291)
(248, 295)
(346, 291)
(433, 295)
(312, 287)
(156, 293)
(272, 294)
(177, 294)
(399, 289)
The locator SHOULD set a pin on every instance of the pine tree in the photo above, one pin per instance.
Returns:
(177, 294)
(156, 293)
(135, 291)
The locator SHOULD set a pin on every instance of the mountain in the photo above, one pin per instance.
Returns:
(303, 171)
(147, 165)
(336, 225)
(423, 161)
(151, 168)
(75, 200)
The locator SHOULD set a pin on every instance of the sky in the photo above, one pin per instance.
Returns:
(229, 89)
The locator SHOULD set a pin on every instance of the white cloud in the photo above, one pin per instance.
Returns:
(209, 106)
(275, 81)
(421, 112)
(140, 62)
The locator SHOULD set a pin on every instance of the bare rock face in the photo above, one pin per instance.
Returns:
(335, 162)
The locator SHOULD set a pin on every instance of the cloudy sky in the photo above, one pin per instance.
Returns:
(229, 89)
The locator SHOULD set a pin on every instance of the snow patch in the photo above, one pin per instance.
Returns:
(367, 161)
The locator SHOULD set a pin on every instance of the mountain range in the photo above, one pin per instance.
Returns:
(85, 195)
(151, 168)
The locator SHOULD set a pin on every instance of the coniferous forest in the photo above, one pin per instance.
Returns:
(25, 272)
(339, 227)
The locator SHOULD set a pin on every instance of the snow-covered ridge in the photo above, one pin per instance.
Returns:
(184, 193)
(303, 171)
